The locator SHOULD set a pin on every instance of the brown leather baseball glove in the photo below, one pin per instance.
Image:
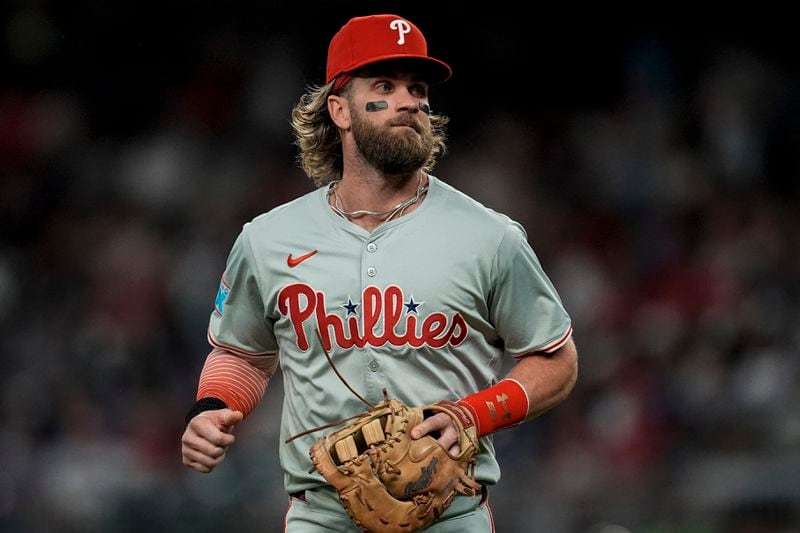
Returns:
(389, 482)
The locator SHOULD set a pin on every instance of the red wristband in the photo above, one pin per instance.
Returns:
(500, 406)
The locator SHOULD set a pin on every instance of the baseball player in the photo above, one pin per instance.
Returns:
(410, 285)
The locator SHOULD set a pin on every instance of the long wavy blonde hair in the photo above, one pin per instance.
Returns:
(319, 142)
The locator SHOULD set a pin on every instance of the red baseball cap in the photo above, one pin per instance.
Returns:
(366, 40)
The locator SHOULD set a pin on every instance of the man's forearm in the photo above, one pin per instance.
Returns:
(547, 378)
(235, 381)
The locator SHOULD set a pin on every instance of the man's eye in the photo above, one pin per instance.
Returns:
(420, 91)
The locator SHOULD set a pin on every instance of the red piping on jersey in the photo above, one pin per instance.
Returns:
(552, 347)
(216, 344)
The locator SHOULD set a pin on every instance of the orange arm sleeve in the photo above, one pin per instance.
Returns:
(236, 379)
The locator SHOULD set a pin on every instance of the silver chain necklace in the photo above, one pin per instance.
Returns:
(386, 216)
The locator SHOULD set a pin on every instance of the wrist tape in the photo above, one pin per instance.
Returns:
(204, 404)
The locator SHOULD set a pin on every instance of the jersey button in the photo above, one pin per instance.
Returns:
(371, 272)
(374, 366)
(371, 247)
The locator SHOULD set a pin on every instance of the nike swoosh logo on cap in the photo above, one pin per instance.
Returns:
(294, 261)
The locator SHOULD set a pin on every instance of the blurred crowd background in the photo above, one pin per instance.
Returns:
(654, 166)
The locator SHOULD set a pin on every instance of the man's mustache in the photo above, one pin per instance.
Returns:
(407, 120)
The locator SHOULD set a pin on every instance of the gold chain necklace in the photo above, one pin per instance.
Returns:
(386, 216)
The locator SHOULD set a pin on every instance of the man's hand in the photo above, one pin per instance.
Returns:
(207, 437)
(442, 425)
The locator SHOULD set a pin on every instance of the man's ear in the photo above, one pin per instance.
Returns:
(339, 110)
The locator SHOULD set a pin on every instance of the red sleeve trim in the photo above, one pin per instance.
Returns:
(552, 347)
(238, 351)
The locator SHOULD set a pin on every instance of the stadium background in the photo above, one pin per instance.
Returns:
(652, 157)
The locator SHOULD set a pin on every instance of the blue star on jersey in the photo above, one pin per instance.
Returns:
(350, 307)
(411, 306)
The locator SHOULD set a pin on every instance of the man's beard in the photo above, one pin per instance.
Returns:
(396, 152)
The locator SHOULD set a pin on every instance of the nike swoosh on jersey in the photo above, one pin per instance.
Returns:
(294, 261)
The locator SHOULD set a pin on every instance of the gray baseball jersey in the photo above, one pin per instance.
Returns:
(425, 306)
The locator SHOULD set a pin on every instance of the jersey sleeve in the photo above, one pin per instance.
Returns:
(239, 322)
(525, 308)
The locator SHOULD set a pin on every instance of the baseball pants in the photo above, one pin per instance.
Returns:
(320, 511)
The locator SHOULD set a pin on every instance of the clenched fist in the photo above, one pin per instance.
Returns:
(207, 437)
